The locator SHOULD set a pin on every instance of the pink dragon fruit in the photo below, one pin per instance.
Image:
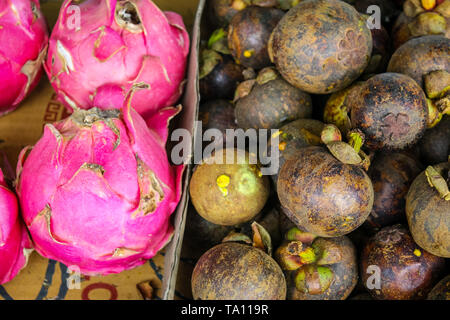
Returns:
(15, 245)
(117, 43)
(97, 190)
(23, 38)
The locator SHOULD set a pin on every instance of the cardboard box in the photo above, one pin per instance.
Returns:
(47, 279)
(190, 254)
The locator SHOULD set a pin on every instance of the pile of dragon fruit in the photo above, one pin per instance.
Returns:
(97, 191)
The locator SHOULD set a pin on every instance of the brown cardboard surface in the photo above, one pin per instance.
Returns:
(47, 279)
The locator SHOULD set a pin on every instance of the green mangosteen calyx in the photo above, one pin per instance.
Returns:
(347, 152)
(443, 105)
(437, 89)
(434, 114)
(428, 16)
(337, 110)
(260, 239)
(235, 236)
(287, 4)
(427, 23)
(309, 257)
(244, 89)
(313, 279)
(218, 41)
(211, 56)
(437, 84)
(267, 74)
(209, 59)
(344, 152)
(412, 8)
(437, 181)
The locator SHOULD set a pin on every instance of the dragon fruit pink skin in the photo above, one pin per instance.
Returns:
(118, 43)
(15, 245)
(97, 190)
(23, 38)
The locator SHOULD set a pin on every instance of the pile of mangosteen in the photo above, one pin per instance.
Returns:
(358, 92)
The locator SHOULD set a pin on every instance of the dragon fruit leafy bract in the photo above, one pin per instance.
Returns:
(97, 189)
(15, 245)
(23, 38)
(117, 43)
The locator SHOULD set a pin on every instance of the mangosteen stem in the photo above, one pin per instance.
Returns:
(437, 181)
(261, 238)
(356, 139)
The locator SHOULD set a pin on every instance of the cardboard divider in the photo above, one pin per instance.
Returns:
(191, 102)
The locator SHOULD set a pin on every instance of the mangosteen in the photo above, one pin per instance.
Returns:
(217, 114)
(219, 74)
(434, 147)
(294, 136)
(271, 102)
(324, 195)
(421, 18)
(441, 290)
(248, 35)
(391, 173)
(227, 193)
(393, 267)
(428, 208)
(236, 271)
(317, 268)
(425, 59)
(391, 110)
(222, 81)
(220, 12)
(420, 56)
(321, 46)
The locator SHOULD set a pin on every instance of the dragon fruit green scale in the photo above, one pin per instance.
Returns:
(118, 43)
(97, 190)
